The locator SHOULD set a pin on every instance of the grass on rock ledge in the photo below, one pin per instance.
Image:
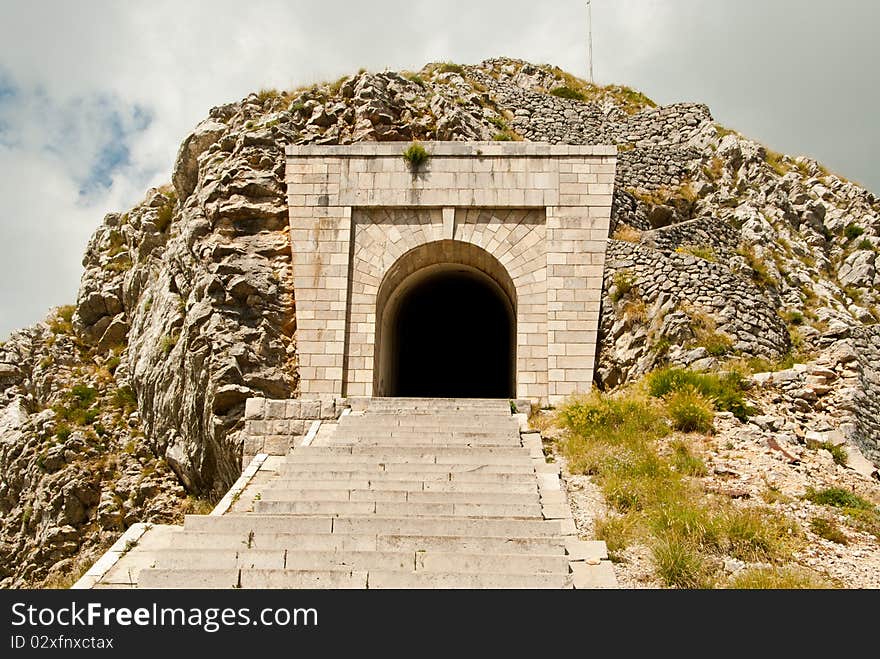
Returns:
(653, 491)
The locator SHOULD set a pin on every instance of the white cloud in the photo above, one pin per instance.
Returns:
(80, 64)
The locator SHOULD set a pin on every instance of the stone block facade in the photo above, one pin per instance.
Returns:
(533, 218)
(275, 426)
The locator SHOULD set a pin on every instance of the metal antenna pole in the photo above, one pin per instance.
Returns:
(590, 37)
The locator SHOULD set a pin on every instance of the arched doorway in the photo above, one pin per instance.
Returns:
(446, 325)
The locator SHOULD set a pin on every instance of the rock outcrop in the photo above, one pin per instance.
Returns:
(723, 249)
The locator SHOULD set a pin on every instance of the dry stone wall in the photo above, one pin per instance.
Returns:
(703, 231)
(859, 353)
(674, 288)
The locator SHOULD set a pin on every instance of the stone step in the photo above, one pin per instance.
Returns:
(430, 423)
(369, 542)
(305, 459)
(373, 524)
(397, 508)
(441, 429)
(419, 496)
(386, 440)
(412, 450)
(195, 578)
(393, 561)
(307, 456)
(290, 467)
(505, 487)
(342, 579)
(303, 477)
(477, 431)
(502, 404)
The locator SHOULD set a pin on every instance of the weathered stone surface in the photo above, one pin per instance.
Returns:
(201, 276)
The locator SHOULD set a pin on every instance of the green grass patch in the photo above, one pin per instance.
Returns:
(266, 95)
(680, 565)
(690, 411)
(778, 578)
(499, 123)
(705, 252)
(837, 451)
(568, 92)
(76, 407)
(777, 162)
(837, 497)
(451, 67)
(829, 530)
(124, 400)
(168, 342)
(724, 391)
(794, 317)
(686, 462)
(654, 497)
(761, 274)
(618, 532)
(866, 245)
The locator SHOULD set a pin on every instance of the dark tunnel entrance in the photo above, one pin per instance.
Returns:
(452, 336)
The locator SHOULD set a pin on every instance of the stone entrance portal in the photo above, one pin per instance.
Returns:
(448, 330)
(477, 275)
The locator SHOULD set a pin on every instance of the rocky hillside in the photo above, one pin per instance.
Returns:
(112, 410)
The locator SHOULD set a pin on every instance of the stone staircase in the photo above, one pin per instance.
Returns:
(404, 493)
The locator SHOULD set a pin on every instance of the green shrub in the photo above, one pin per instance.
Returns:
(61, 322)
(837, 497)
(568, 92)
(416, 155)
(85, 395)
(62, 431)
(866, 245)
(125, 400)
(166, 211)
(624, 282)
(503, 137)
(614, 420)
(794, 318)
(167, 343)
(725, 391)
(416, 78)
(690, 411)
(853, 231)
(778, 578)
(829, 530)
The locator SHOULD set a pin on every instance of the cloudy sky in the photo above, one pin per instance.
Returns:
(95, 95)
